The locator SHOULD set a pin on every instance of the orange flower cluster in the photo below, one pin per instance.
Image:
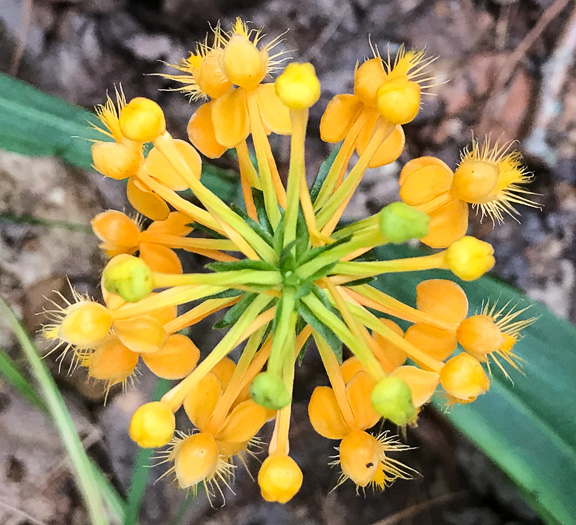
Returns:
(285, 271)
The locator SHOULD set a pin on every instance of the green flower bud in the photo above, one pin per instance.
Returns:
(129, 277)
(270, 391)
(392, 399)
(400, 222)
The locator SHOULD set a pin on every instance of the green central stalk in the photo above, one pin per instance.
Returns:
(284, 332)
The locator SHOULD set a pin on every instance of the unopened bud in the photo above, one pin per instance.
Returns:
(470, 258)
(270, 391)
(153, 425)
(129, 277)
(392, 399)
(280, 478)
(400, 223)
(298, 86)
(142, 120)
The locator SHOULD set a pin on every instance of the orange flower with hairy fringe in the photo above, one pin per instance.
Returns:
(490, 178)
(123, 158)
(121, 234)
(296, 273)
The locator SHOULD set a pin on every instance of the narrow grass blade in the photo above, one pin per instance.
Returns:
(11, 373)
(82, 467)
(141, 469)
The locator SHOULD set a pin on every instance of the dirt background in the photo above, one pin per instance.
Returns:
(510, 66)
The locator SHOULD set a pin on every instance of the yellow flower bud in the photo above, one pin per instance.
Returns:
(298, 86)
(280, 478)
(463, 378)
(359, 456)
(243, 63)
(474, 181)
(142, 120)
(129, 277)
(470, 258)
(153, 425)
(115, 160)
(392, 399)
(398, 100)
(479, 335)
(196, 459)
(85, 324)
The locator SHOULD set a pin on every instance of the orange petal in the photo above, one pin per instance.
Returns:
(224, 370)
(142, 334)
(424, 184)
(202, 399)
(391, 357)
(438, 344)
(422, 383)
(243, 423)
(420, 162)
(443, 299)
(350, 368)
(358, 391)
(115, 228)
(201, 132)
(177, 358)
(325, 414)
(145, 201)
(366, 132)
(390, 149)
(112, 361)
(447, 224)
(274, 113)
(160, 258)
(339, 116)
(177, 223)
(159, 167)
(230, 118)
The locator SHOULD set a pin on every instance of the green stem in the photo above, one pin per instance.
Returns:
(232, 339)
(356, 346)
(228, 279)
(284, 332)
(371, 268)
(296, 172)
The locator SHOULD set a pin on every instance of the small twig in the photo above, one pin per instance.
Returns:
(327, 32)
(509, 67)
(420, 507)
(23, 29)
(20, 512)
(554, 73)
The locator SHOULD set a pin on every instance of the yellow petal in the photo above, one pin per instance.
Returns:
(424, 184)
(177, 223)
(230, 118)
(447, 224)
(160, 258)
(201, 132)
(146, 202)
(274, 113)
(358, 391)
(366, 132)
(422, 383)
(339, 116)
(202, 399)
(243, 423)
(438, 344)
(443, 299)
(177, 358)
(142, 334)
(159, 167)
(325, 414)
(224, 370)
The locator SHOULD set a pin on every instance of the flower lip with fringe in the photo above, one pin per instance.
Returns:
(284, 271)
